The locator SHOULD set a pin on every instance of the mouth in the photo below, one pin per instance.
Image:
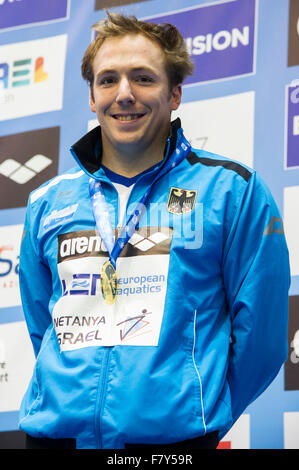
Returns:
(128, 116)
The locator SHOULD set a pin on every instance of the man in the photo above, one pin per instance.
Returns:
(156, 291)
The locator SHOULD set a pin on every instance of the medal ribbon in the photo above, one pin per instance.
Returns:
(100, 209)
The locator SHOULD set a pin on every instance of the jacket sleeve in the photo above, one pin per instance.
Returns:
(256, 278)
(35, 283)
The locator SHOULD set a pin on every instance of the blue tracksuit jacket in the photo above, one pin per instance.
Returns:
(199, 327)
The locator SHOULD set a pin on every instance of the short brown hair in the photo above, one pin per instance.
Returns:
(177, 60)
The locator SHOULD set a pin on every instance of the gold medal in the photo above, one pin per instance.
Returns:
(109, 282)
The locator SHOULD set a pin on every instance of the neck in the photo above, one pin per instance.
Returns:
(129, 163)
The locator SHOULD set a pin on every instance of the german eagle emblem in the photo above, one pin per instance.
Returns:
(181, 201)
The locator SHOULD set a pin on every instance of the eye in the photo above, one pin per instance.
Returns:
(144, 79)
(107, 81)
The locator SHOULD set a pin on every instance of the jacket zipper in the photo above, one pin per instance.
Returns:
(103, 376)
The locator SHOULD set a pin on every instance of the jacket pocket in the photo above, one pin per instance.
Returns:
(34, 391)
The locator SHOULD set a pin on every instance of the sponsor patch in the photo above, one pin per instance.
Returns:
(220, 37)
(16, 364)
(99, 4)
(60, 217)
(214, 132)
(292, 125)
(82, 318)
(293, 42)
(291, 366)
(32, 76)
(10, 241)
(27, 160)
(20, 13)
(86, 243)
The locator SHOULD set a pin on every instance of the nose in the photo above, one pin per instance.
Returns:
(125, 93)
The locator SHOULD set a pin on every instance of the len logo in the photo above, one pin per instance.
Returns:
(181, 201)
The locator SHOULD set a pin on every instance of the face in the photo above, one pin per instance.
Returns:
(131, 94)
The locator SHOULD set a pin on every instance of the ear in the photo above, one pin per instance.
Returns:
(91, 100)
(176, 96)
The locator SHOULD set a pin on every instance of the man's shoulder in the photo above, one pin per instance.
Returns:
(55, 184)
(213, 161)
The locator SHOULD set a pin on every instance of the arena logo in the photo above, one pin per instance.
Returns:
(293, 46)
(83, 243)
(21, 174)
(27, 160)
(291, 366)
(221, 38)
(20, 13)
(294, 357)
(86, 243)
(31, 77)
(90, 245)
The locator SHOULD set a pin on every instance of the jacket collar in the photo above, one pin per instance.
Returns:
(87, 151)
